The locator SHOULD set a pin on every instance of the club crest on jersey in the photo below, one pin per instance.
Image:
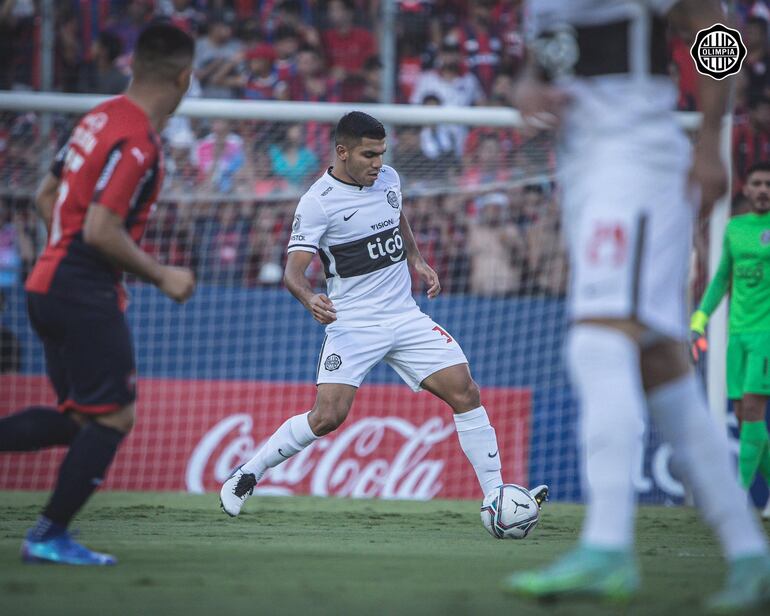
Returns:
(297, 222)
(765, 237)
(332, 363)
(392, 199)
(718, 51)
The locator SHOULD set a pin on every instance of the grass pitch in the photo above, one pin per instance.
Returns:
(180, 555)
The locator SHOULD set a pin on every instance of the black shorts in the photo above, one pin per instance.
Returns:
(88, 350)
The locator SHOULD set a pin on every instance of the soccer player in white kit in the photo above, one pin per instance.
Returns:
(352, 217)
(629, 180)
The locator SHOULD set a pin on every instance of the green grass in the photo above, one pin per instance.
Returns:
(180, 555)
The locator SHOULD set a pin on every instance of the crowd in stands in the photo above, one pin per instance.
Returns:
(231, 186)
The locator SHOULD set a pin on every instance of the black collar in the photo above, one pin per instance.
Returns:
(354, 185)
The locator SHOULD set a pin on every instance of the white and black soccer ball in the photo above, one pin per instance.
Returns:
(509, 512)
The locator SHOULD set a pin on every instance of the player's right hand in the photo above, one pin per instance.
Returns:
(322, 309)
(698, 346)
(178, 283)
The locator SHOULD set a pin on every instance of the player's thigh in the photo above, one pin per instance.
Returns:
(47, 324)
(422, 348)
(629, 250)
(736, 366)
(100, 353)
(349, 353)
(757, 377)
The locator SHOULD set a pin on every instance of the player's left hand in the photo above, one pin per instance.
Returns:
(541, 104)
(429, 277)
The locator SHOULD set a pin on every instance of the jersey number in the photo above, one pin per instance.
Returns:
(56, 233)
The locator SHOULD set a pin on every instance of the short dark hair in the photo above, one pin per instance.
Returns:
(356, 125)
(112, 45)
(763, 165)
(162, 52)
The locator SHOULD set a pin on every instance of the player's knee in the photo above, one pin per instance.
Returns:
(121, 420)
(324, 420)
(466, 398)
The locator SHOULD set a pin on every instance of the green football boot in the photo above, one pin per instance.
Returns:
(747, 586)
(586, 571)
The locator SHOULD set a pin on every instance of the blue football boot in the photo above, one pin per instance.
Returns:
(62, 549)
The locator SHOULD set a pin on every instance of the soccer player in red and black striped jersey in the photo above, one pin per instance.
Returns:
(96, 201)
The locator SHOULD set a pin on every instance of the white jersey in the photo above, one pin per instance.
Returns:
(630, 112)
(355, 229)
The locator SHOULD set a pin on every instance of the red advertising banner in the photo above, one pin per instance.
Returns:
(189, 435)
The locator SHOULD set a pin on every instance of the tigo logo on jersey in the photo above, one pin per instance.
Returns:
(718, 51)
(393, 247)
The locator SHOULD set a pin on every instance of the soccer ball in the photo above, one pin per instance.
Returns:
(509, 512)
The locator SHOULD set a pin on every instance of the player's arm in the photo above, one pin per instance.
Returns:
(45, 197)
(105, 230)
(708, 171)
(318, 304)
(415, 260)
(715, 291)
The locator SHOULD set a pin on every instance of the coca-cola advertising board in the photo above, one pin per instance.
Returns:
(189, 435)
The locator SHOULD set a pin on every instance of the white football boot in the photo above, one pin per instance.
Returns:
(235, 491)
(540, 494)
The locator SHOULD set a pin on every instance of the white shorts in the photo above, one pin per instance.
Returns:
(415, 347)
(629, 230)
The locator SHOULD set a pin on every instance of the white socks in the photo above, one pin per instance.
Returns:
(605, 371)
(479, 442)
(701, 453)
(291, 438)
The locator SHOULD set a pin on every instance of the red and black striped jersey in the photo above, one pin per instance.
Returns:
(113, 158)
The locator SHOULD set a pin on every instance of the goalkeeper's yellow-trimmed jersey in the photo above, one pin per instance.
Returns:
(744, 270)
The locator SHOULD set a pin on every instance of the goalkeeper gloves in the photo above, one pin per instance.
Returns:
(698, 342)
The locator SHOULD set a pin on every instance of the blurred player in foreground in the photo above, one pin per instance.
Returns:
(629, 177)
(744, 270)
(352, 217)
(96, 201)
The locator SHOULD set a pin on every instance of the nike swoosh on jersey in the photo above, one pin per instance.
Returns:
(492, 455)
(346, 218)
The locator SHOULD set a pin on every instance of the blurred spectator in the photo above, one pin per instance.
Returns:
(101, 75)
(216, 57)
(183, 15)
(682, 71)
(264, 182)
(129, 22)
(346, 46)
(481, 41)
(751, 140)
(546, 256)
(218, 157)
(16, 248)
(17, 44)
(286, 44)
(366, 86)
(181, 174)
(442, 143)
(291, 159)
(311, 83)
(757, 63)
(449, 82)
(265, 248)
(496, 248)
(686, 100)
(485, 167)
(68, 52)
(412, 164)
(259, 79)
(223, 241)
(289, 14)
